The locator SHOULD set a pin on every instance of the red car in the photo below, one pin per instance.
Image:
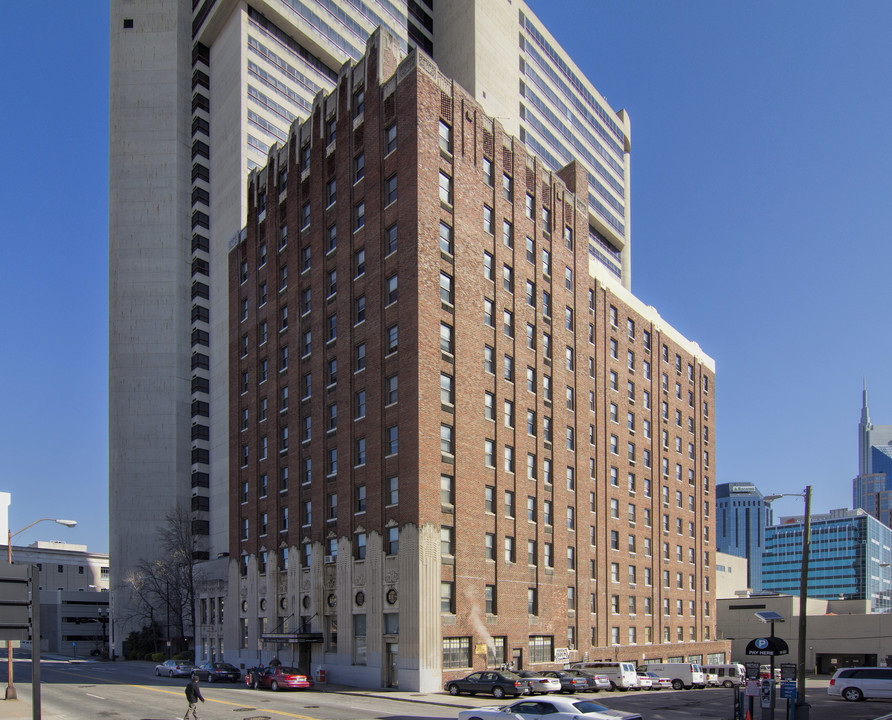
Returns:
(279, 678)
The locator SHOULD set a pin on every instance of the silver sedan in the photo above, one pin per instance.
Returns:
(556, 708)
(175, 668)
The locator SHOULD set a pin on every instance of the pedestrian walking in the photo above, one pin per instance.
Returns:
(193, 695)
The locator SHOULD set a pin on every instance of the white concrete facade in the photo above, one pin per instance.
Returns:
(312, 602)
(64, 566)
(730, 575)
(148, 275)
(496, 51)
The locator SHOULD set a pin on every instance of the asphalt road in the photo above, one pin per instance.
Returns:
(109, 691)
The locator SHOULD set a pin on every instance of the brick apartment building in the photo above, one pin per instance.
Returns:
(456, 440)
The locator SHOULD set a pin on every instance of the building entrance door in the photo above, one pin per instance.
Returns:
(392, 664)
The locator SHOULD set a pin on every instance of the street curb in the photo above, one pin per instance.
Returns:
(393, 696)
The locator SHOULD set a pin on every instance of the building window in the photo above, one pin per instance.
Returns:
(445, 138)
(447, 392)
(393, 541)
(489, 360)
(391, 440)
(392, 290)
(532, 603)
(447, 540)
(390, 389)
(390, 139)
(447, 490)
(447, 605)
(390, 239)
(392, 336)
(446, 289)
(541, 648)
(390, 190)
(392, 490)
(445, 238)
(509, 549)
(488, 177)
(507, 234)
(489, 600)
(456, 650)
(445, 189)
(447, 439)
(446, 338)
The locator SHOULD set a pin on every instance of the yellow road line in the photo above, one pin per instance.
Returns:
(179, 693)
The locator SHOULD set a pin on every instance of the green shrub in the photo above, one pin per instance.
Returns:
(156, 657)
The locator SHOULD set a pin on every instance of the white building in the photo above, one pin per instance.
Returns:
(74, 597)
(64, 566)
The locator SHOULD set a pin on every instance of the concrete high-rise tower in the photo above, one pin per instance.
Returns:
(199, 92)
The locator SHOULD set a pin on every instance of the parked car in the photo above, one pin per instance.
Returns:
(861, 682)
(644, 681)
(712, 679)
(657, 682)
(218, 672)
(175, 668)
(281, 677)
(498, 683)
(553, 707)
(539, 684)
(594, 682)
(569, 683)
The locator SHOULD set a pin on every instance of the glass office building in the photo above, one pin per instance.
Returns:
(850, 558)
(741, 519)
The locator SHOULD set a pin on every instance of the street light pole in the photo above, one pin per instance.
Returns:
(803, 597)
(35, 601)
(803, 590)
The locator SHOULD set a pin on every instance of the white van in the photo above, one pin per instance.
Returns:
(622, 675)
(729, 674)
(682, 675)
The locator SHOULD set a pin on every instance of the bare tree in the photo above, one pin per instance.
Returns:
(165, 587)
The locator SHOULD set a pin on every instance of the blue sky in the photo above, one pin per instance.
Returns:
(761, 219)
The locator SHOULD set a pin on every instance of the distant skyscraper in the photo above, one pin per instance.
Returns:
(872, 489)
(849, 558)
(740, 526)
(874, 443)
